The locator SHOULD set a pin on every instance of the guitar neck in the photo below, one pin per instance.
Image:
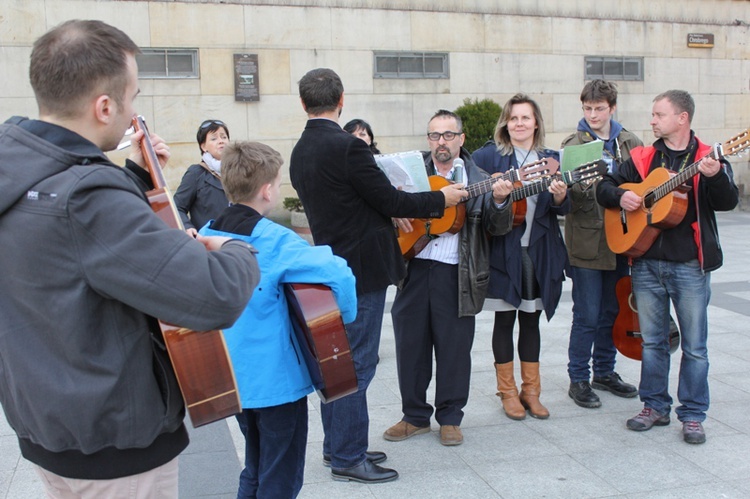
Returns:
(531, 189)
(485, 186)
(149, 154)
(681, 177)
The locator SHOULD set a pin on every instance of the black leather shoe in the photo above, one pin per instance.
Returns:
(583, 395)
(375, 457)
(367, 472)
(613, 383)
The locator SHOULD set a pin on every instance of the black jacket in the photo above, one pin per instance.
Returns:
(349, 203)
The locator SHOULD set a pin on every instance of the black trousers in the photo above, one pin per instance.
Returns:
(425, 318)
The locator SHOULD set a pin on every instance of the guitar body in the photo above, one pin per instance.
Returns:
(200, 358)
(451, 222)
(204, 373)
(322, 338)
(626, 331)
(519, 208)
(631, 233)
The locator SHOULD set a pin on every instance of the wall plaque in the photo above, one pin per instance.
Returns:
(246, 78)
(700, 40)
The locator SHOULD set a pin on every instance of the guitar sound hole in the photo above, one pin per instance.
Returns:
(648, 201)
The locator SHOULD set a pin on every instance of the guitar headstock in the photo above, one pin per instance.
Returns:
(586, 172)
(542, 168)
(736, 144)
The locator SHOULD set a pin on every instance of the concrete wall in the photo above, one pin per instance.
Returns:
(496, 49)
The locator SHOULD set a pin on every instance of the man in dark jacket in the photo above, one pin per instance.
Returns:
(444, 289)
(677, 265)
(86, 265)
(349, 203)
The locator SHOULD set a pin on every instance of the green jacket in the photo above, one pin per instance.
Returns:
(584, 225)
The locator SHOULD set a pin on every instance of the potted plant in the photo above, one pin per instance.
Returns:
(298, 218)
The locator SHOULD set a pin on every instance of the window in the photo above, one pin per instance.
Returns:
(411, 65)
(614, 68)
(168, 63)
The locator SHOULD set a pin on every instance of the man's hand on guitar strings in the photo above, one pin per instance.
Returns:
(160, 148)
(453, 194)
(403, 224)
(709, 166)
(630, 201)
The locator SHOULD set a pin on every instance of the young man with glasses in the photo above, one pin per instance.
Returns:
(595, 269)
(444, 289)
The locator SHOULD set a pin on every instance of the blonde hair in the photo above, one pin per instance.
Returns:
(502, 137)
(246, 167)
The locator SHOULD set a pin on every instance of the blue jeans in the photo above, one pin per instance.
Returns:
(275, 443)
(595, 309)
(345, 421)
(655, 282)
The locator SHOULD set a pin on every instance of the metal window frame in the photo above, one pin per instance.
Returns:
(166, 52)
(615, 77)
(445, 74)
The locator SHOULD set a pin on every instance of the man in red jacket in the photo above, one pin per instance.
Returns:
(677, 265)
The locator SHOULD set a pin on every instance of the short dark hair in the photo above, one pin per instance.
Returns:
(681, 100)
(207, 127)
(444, 113)
(502, 136)
(356, 124)
(320, 90)
(76, 59)
(600, 90)
(246, 167)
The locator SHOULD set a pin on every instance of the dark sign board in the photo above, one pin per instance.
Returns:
(246, 78)
(700, 40)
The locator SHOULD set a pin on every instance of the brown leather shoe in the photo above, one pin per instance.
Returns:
(403, 430)
(451, 435)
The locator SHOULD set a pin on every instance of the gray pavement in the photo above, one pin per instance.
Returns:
(575, 453)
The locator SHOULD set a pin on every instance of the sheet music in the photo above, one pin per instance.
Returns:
(405, 170)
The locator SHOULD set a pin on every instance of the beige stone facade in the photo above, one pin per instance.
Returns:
(496, 48)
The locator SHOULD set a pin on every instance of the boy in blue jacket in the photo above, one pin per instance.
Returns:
(272, 377)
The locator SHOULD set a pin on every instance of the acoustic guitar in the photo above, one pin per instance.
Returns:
(585, 172)
(631, 233)
(626, 331)
(453, 217)
(200, 358)
(322, 338)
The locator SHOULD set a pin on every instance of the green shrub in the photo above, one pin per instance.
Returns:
(293, 204)
(479, 118)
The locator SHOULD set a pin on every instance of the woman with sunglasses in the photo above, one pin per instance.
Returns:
(200, 196)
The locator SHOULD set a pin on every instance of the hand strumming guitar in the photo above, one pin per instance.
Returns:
(630, 201)
(454, 193)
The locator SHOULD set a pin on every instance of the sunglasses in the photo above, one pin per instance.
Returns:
(209, 123)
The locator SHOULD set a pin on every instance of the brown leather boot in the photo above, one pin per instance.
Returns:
(530, 390)
(507, 391)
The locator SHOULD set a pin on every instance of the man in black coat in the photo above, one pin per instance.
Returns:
(349, 203)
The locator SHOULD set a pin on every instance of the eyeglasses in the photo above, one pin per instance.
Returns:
(600, 109)
(448, 136)
(208, 123)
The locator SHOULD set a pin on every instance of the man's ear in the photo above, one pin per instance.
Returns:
(304, 107)
(104, 108)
